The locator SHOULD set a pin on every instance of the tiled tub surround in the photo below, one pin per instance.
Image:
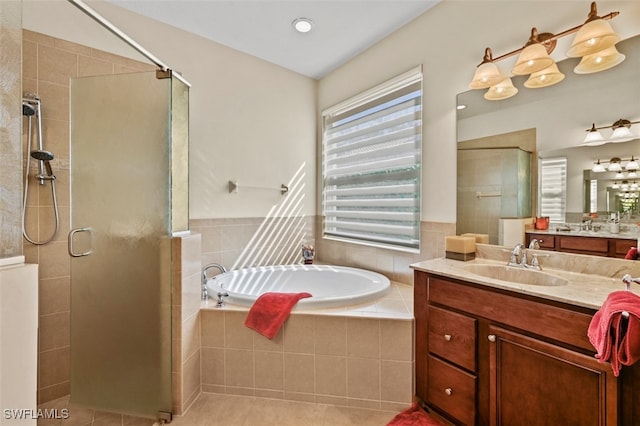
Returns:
(230, 242)
(360, 356)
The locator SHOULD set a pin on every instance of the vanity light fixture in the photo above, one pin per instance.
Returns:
(615, 185)
(615, 165)
(593, 40)
(621, 133)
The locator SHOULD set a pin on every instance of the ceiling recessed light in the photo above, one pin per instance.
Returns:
(302, 25)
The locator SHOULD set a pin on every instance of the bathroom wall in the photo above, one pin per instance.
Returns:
(10, 129)
(48, 64)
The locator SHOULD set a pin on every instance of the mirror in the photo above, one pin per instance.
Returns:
(555, 120)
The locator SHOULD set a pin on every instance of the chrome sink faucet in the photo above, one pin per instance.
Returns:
(222, 269)
(519, 257)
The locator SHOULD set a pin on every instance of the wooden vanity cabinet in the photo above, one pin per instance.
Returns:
(595, 246)
(490, 357)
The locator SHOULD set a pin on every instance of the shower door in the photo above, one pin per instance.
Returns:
(120, 243)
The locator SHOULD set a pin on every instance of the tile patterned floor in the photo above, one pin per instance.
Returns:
(231, 410)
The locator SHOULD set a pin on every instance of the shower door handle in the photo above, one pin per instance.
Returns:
(72, 233)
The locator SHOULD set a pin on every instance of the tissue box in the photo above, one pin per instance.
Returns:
(460, 248)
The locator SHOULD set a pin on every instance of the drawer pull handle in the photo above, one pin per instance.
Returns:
(491, 337)
(448, 391)
(447, 337)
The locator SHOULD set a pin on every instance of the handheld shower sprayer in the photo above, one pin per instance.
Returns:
(45, 157)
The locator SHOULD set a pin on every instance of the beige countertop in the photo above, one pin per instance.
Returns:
(589, 279)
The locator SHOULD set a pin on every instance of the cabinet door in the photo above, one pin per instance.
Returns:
(537, 383)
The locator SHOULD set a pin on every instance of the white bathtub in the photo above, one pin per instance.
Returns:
(331, 286)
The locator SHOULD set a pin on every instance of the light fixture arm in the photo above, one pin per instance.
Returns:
(619, 123)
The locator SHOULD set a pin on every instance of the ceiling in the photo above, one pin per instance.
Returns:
(262, 28)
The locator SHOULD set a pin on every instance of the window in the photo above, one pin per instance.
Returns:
(553, 188)
(371, 165)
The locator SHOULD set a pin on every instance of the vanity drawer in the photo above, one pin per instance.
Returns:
(452, 390)
(623, 246)
(592, 245)
(546, 241)
(452, 336)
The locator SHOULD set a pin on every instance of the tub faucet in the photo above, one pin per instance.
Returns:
(222, 269)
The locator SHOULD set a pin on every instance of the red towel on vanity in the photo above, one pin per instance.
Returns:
(615, 338)
(632, 254)
(270, 311)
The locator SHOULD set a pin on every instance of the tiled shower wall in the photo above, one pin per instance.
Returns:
(237, 243)
(48, 64)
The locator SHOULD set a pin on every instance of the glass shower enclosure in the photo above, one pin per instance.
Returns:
(129, 167)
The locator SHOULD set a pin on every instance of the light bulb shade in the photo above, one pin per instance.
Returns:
(632, 165)
(487, 74)
(619, 175)
(593, 138)
(599, 61)
(593, 37)
(533, 58)
(503, 90)
(544, 78)
(598, 168)
(621, 134)
(615, 167)
(632, 174)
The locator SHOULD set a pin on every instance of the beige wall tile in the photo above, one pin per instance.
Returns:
(239, 368)
(261, 343)
(298, 334)
(236, 335)
(54, 295)
(55, 100)
(396, 378)
(191, 249)
(54, 367)
(301, 397)
(269, 370)
(71, 47)
(52, 392)
(29, 60)
(270, 394)
(299, 371)
(396, 340)
(56, 65)
(190, 335)
(212, 328)
(88, 66)
(233, 390)
(176, 391)
(53, 331)
(363, 378)
(331, 375)
(363, 337)
(330, 335)
(54, 260)
(213, 366)
(191, 377)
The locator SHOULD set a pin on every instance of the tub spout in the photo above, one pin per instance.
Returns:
(222, 269)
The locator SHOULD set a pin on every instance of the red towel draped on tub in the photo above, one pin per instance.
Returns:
(270, 311)
(615, 337)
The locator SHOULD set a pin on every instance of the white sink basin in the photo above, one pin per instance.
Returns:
(515, 275)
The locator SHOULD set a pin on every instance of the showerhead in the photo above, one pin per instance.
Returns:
(45, 157)
(28, 109)
(42, 155)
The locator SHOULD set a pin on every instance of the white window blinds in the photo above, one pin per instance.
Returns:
(553, 188)
(371, 165)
